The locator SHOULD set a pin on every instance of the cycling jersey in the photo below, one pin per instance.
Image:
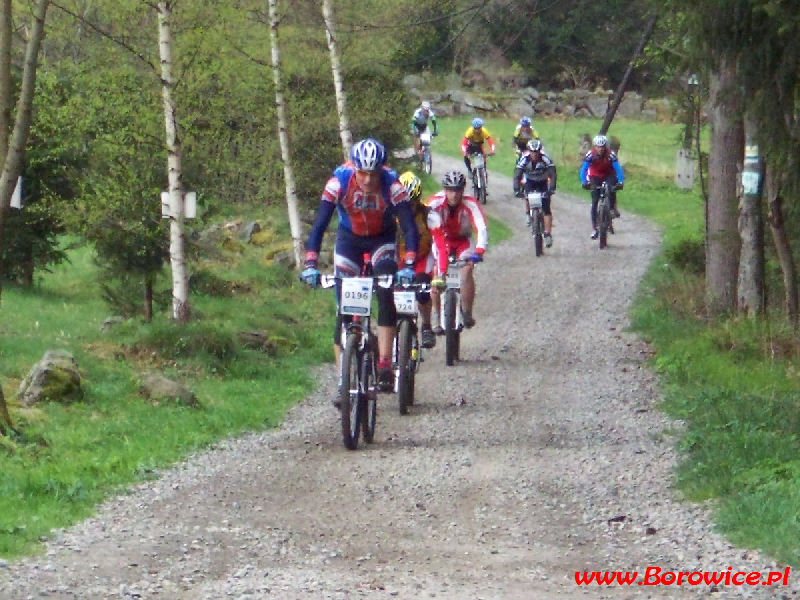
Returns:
(420, 120)
(453, 226)
(601, 167)
(363, 215)
(523, 135)
(541, 170)
(477, 137)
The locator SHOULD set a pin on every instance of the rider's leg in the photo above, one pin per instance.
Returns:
(548, 224)
(467, 288)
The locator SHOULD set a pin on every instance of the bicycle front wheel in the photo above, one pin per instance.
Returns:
(482, 186)
(426, 160)
(351, 392)
(451, 341)
(538, 232)
(369, 398)
(603, 221)
(405, 376)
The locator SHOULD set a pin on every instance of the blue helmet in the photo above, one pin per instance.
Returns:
(525, 121)
(477, 123)
(368, 155)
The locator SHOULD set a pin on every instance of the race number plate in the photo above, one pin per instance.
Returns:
(405, 303)
(535, 199)
(476, 161)
(356, 296)
(453, 277)
(425, 138)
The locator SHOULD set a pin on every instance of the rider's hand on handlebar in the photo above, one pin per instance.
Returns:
(618, 187)
(586, 185)
(310, 276)
(405, 276)
(476, 258)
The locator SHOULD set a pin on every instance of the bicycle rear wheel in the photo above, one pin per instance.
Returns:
(451, 334)
(405, 377)
(351, 392)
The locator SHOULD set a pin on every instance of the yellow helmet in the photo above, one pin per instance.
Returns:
(412, 184)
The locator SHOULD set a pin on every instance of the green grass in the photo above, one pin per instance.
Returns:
(67, 458)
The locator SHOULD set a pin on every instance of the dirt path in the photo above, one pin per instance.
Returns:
(539, 455)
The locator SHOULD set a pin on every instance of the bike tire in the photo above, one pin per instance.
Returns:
(369, 398)
(538, 232)
(482, 186)
(415, 352)
(405, 376)
(427, 162)
(351, 393)
(603, 219)
(451, 341)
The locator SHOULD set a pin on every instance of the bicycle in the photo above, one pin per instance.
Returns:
(477, 164)
(604, 224)
(407, 354)
(425, 151)
(358, 392)
(536, 220)
(451, 315)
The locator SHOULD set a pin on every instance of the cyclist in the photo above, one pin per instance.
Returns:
(452, 219)
(369, 201)
(535, 171)
(423, 267)
(523, 134)
(473, 141)
(601, 164)
(419, 123)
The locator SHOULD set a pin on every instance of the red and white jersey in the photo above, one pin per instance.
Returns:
(451, 225)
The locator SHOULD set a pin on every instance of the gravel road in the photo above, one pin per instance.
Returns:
(541, 454)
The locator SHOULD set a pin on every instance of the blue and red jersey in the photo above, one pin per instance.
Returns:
(601, 167)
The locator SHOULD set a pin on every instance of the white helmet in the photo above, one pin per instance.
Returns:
(426, 105)
(599, 141)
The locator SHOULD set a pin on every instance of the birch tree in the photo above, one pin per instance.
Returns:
(338, 78)
(286, 157)
(180, 279)
(750, 287)
(12, 147)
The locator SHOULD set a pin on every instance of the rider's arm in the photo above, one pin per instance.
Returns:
(405, 216)
(518, 174)
(584, 169)
(479, 224)
(618, 170)
(552, 180)
(314, 241)
(435, 127)
(464, 144)
(490, 141)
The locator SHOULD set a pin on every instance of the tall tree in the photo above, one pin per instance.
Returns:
(177, 256)
(286, 156)
(750, 288)
(338, 78)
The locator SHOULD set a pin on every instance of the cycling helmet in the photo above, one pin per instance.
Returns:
(535, 145)
(599, 141)
(525, 121)
(368, 155)
(426, 105)
(412, 184)
(454, 179)
(477, 123)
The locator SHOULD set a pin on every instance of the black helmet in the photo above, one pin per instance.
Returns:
(454, 179)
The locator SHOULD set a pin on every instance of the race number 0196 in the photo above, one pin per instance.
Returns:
(356, 296)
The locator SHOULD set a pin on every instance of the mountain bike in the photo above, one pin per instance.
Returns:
(477, 165)
(537, 220)
(604, 224)
(451, 315)
(407, 347)
(425, 151)
(358, 392)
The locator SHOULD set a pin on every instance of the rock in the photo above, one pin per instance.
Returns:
(246, 232)
(156, 387)
(55, 377)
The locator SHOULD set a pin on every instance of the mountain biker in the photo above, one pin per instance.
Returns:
(452, 219)
(473, 141)
(419, 123)
(535, 171)
(523, 134)
(423, 267)
(369, 201)
(601, 164)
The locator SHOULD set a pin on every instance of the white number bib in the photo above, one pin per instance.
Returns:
(425, 138)
(453, 277)
(476, 160)
(535, 199)
(356, 296)
(405, 303)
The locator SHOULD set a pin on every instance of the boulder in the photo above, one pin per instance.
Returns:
(157, 388)
(55, 378)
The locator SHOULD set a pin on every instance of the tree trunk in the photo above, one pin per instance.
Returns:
(336, 67)
(750, 285)
(619, 93)
(5, 418)
(148, 301)
(286, 156)
(12, 165)
(177, 258)
(783, 249)
(5, 76)
(727, 141)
